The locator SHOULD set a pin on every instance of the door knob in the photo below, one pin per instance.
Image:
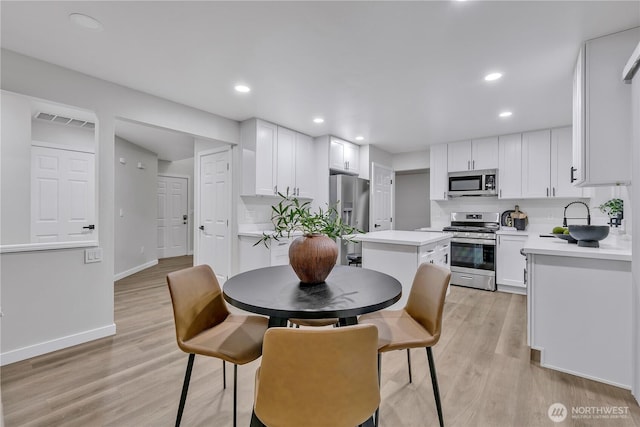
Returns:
(90, 227)
(201, 227)
(377, 225)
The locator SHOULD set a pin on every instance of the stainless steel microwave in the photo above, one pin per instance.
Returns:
(473, 183)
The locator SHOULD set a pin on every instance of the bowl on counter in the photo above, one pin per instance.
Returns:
(589, 235)
(566, 237)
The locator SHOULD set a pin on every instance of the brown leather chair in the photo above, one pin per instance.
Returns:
(418, 324)
(204, 326)
(317, 378)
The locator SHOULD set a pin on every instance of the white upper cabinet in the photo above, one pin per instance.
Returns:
(509, 166)
(546, 164)
(602, 116)
(259, 151)
(536, 164)
(275, 160)
(305, 167)
(285, 165)
(473, 155)
(484, 153)
(561, 141)
(344, 156)
(459, 156)
(438, 177)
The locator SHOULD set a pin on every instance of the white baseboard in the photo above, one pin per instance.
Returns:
(512, 289)
(133, 270)
(56, 344)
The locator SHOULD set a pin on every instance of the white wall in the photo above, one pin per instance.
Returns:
(75, 299)
(80, 138)
(412, 195)
(416, 160)
(136, 196)
(15, 170)
(184, 167)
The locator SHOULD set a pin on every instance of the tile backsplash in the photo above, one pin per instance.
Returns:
(543, 214)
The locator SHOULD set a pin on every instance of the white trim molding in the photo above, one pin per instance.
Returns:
(56, 344)
(134, 270)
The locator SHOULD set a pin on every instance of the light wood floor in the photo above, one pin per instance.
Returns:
(135, 377)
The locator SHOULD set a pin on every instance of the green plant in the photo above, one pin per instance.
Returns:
(290, 215)
(612, 207)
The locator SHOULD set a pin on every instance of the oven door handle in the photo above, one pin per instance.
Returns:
(474, 241)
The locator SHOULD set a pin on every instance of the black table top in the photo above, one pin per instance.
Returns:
(277, 292)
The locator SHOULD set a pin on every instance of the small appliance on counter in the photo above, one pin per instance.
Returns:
(514, 218)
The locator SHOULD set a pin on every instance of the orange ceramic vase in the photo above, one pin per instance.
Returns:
(312, 257)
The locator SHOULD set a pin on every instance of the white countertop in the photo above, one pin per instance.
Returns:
(259, 233)
(612, 248)
(511, 231)
(398, 237)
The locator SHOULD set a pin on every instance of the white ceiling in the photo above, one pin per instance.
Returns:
(401, 74)
(167, 144)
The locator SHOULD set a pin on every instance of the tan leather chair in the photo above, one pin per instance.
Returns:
(204, 326)
(317, 378)
(418, 324)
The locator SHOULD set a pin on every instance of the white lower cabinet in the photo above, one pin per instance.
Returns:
(251, 257)
(510, 264)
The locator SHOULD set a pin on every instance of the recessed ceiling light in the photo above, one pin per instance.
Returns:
(493, 76)
(318, 120)
(505, 114)
(359, 138)
(242, 88)
(86, 22)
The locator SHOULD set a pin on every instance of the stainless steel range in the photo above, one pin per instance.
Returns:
(473, 249)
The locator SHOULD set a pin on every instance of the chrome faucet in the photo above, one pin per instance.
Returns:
(564, 221)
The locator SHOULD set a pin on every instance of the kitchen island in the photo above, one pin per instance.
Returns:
(399, 253)
(579, 307)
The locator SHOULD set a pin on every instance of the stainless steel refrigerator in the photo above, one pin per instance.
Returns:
(350, 196)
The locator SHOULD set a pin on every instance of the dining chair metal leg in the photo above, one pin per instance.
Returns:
(185, 388)
(368, 423)
(255, 421)
(224, 374)
(235, 394)
(377, 414)
(434, 381)
(409, 364)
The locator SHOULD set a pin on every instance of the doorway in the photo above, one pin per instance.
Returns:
(173, 216)
(213, 210)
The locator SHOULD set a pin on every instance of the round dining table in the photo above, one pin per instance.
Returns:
(278, 293)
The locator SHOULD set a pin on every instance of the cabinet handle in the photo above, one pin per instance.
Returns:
(547, 191)
(446, 259)
(275, 190)
(468, 164)
(500, 192)
(572, 171)
(473, 164)
(554, 191)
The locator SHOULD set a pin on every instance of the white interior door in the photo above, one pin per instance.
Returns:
(381, 190)
(172, 216)
(213, 246)
(62, 195)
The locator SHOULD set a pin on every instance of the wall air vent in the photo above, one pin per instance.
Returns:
(68, 121)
